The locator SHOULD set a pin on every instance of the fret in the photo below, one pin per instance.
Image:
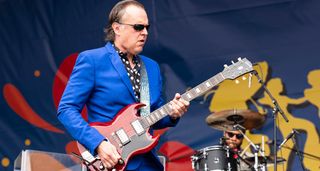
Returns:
(170, 107)
(149, 120)
(203, 88)
(157, 115)
(220, 77)
(162, 111)
(214, 80)
(167, 108)
(152, 118)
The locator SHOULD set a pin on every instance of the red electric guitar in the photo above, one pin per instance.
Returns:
(129, 132)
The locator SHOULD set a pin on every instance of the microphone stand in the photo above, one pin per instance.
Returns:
(296, 146)
(275, 111)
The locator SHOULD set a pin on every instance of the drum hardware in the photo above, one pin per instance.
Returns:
(240, 120)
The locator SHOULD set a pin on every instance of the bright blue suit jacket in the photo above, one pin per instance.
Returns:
(99, 80)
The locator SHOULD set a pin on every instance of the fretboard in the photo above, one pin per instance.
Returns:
(193, 93)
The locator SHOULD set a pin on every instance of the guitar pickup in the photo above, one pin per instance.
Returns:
(123, 137)
(137, 127)
(88, 156)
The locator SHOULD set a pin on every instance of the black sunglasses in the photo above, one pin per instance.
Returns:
(137, 27)
(238, 136)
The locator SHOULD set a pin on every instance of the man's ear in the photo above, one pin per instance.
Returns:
(116, 28)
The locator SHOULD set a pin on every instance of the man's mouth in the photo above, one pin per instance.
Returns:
(142, 41)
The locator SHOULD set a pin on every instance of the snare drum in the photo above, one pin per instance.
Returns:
(212, 158)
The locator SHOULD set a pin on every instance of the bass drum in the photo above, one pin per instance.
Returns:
(213, 158)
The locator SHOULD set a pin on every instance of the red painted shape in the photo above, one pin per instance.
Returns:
(71, 147)
(61, 79)
(178, 156)
(19, 105)
(62, 76)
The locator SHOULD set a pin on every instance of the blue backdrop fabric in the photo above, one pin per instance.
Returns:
(191, 40)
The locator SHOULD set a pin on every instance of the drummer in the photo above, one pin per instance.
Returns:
(233, 140)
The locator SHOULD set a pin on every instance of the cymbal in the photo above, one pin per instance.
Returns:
(225, 120)
(269, 160)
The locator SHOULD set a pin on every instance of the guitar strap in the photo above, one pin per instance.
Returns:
(144, 92)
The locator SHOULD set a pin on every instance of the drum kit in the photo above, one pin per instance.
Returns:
(221, 157)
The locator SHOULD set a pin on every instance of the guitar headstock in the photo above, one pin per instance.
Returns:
(237, 69)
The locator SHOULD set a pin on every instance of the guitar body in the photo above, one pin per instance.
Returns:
(127, 138)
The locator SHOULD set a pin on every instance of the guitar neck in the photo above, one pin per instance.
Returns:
(195, 92)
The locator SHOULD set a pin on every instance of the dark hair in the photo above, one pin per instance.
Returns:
(115, 16)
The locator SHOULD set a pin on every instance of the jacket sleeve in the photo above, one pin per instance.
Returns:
(76, 94)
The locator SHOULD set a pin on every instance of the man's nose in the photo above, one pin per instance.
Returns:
(145, 31)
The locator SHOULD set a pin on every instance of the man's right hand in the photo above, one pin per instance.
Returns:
(108, 154)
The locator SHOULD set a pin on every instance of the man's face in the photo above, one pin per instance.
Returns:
(128, 39)
(234, 139)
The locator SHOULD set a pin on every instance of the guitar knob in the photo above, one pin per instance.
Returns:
(237, 81)
(244, 78)
(239, 59)
(101, 167)
(225, 65)
(120, 161)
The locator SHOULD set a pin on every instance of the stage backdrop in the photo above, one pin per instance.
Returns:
(191, 40)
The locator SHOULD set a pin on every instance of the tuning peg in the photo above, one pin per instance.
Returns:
(244, 77)
(232, 62)
(225, 65)
(239, 59)
(237, 81)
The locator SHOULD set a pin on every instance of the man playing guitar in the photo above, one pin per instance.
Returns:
(110, 78)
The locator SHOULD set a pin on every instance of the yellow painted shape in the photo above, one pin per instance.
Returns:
(275, 86)
(313, 94)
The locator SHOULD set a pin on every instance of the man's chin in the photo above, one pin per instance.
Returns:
(138, 50)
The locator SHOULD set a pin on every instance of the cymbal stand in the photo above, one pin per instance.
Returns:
(255, 147)
(275, 111)
(296, 146)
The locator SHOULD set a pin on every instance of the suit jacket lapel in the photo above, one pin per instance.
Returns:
(120, 68)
